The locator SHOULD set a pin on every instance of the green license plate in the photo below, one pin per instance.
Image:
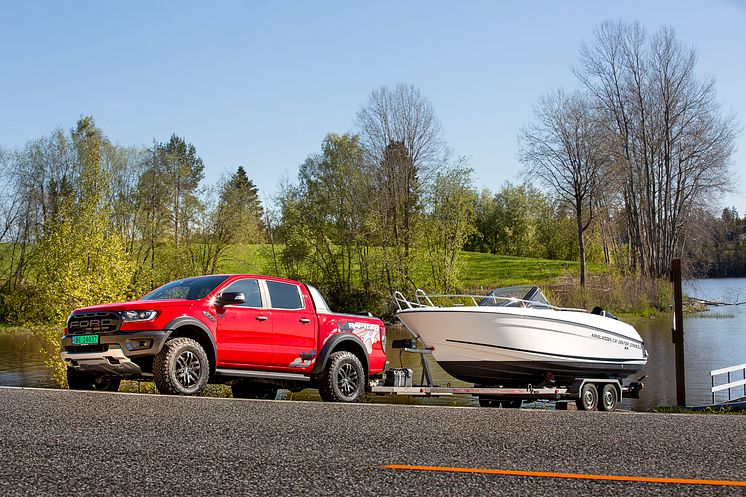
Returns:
(85, 340)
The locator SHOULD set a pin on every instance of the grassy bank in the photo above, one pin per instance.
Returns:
(483, 272)
(480, 270)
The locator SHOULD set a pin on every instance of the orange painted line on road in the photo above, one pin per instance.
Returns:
(575, 476)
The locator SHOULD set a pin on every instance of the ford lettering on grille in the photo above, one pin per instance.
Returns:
(97, 322)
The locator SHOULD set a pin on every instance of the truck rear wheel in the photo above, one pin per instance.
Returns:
(343, 380)
(78, 380)
(181, 367)
(244, 389)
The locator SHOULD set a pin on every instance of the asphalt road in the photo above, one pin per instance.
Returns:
(60, 442)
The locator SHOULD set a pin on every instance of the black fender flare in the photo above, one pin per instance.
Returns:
(181, 321)
(332, 344)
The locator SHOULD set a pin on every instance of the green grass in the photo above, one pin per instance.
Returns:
(705, 410)
(486, 270)
(480, 270)
(492, 271)
(245, 258)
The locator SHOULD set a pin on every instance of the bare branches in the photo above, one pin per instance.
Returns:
(564, 150)
(404, 148)
(402, 114)
(672, 146)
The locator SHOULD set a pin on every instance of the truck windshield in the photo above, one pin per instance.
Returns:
(187, 289)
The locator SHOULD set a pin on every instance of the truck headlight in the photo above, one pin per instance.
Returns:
(139, 315)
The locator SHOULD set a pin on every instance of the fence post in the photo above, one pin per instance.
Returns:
(678, 331)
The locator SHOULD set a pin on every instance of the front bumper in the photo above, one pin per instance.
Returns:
(114, 352)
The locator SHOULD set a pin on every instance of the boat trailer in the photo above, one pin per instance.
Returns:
(589, 394)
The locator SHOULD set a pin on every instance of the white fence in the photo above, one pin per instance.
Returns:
(731, 384)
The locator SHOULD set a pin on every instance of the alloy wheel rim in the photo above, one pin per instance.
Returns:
(188, 369)
(347, 379)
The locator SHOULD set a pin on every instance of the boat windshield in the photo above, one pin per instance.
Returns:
(515, 296)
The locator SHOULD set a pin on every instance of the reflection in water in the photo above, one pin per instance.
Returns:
(713, 340)
(21, 360)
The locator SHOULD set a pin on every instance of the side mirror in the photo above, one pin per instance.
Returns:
(227, 298)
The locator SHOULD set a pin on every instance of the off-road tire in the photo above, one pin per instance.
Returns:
(78, 380)
(343, 379)
(181, 367)
(245, 389)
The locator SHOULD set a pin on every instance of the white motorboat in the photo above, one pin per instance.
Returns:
(514, 336)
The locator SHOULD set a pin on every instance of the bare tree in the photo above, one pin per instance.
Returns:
(564, 150)
(405, 148)
(672, 146)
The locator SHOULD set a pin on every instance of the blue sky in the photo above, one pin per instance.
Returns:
(259, 84)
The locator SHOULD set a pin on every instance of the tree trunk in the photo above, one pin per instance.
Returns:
(581, 242)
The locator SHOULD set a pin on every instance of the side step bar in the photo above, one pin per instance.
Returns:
(267, 375)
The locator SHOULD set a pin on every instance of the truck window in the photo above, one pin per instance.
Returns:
(284, 295)
(250, 290)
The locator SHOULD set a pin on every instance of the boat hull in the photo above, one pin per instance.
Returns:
(512, 346)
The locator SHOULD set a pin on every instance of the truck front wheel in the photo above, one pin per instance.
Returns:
(181, 367)
(78, 380)
(343, 380)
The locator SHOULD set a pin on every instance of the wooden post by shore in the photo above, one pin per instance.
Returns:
(678, 331)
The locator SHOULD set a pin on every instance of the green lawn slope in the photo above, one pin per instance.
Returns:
(479, 270)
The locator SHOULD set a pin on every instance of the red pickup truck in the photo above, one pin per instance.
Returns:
(255, 333)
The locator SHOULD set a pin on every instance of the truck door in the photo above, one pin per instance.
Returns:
(294, 327)
(244, 331)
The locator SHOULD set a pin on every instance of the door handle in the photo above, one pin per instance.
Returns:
(304, 320)
(262, 318)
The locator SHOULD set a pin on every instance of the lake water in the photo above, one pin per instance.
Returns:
(713, 339)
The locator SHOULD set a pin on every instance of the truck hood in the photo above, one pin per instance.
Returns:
(139, 305)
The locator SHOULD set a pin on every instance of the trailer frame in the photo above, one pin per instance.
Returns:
(588, 393)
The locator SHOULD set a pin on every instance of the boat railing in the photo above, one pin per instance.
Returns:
(730, 384)
(422, 299)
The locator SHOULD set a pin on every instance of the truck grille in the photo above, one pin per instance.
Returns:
(93, 322)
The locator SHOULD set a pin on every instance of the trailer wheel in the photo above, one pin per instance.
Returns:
(588, 400)
(489, 402)
(609, 398)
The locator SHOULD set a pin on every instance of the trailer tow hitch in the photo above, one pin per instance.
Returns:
(634, 387)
